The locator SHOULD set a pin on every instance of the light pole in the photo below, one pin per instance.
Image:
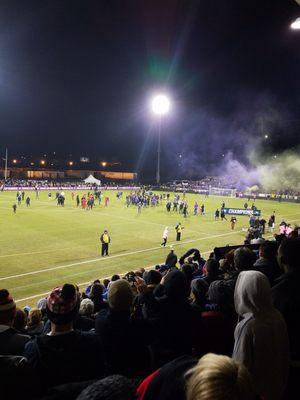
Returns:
(160, 107)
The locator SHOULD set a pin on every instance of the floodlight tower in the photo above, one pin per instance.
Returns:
(160, 107)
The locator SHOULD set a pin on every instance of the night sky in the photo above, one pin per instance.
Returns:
(77, 76)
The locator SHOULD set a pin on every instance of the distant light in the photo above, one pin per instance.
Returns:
(160, 104)
(43, 162)
(14, 161)
(266, 136)
(223, 155)
(275, 156)
(71, 163)
(32, 163)
(296, 24)
(45, 155)
(104, 163)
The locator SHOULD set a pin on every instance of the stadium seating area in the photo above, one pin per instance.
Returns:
(187, 329)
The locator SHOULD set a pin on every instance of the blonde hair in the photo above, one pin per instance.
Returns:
(217, 377)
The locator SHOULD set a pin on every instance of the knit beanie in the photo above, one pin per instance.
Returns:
(7, 307)
(62, 304)
(120, 295)
(114, 387)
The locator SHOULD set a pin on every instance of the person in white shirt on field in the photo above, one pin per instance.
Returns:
(165, 236)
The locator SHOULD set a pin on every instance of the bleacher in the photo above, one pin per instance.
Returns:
(178, 330)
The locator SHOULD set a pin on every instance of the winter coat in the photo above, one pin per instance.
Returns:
(261, 339)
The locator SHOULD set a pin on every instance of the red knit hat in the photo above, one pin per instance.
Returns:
(62, 304)
(7, 307)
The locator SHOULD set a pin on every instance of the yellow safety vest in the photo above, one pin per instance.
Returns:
(105, 238)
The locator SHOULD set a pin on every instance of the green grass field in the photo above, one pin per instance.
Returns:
(45, 245)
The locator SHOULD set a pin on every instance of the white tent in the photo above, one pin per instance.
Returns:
(91, 179)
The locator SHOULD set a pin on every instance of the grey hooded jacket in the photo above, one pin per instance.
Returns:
(261, 339)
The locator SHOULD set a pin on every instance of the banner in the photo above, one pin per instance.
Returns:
(242, 211)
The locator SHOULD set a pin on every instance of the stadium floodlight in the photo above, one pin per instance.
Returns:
(296, 24)
(160, 107)
(160, 104)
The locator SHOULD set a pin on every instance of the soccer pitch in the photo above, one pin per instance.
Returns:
(45, 245)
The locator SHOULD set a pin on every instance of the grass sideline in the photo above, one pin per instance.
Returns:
(45, 245)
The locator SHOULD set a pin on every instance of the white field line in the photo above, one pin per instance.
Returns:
(4, 278)
(118, 255)
(123, 218)
(108, 277)
(79, 284)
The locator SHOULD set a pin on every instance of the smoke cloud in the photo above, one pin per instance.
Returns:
(280, 172)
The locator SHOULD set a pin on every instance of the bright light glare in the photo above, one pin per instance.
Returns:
(266, 136)
(296, 24)
(104, 163)
(160, 104)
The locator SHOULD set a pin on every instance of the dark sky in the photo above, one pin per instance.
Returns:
(76, 77)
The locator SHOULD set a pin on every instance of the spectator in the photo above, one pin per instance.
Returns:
(20, 321)
(261, 340)
(114, 387)
(286, 298)
(243, 259)
(86, 308)
(213, 377)
(125, 339)
(187, 270)
(178, 322)
(171, 259)
(212, 271)
(35, 325)
(267, 262)
(220, 378)
(106, 283)
(64, 354)
(11, 342)
(199, 288)
(218, 323)
(96, 297)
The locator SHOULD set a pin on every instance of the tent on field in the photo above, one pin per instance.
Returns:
(92, 180)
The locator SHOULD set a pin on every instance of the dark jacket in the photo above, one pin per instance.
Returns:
(178, 323)
(171, 259)
(125, 342)
(268, 267)
(12, 342)
(75, 356)
(286, 298)
(168, 383)
(17, 379)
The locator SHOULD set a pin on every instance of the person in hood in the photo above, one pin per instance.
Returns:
(261, 339)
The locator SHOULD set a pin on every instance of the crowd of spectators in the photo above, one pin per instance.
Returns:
(52, 183)
(190, 329)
